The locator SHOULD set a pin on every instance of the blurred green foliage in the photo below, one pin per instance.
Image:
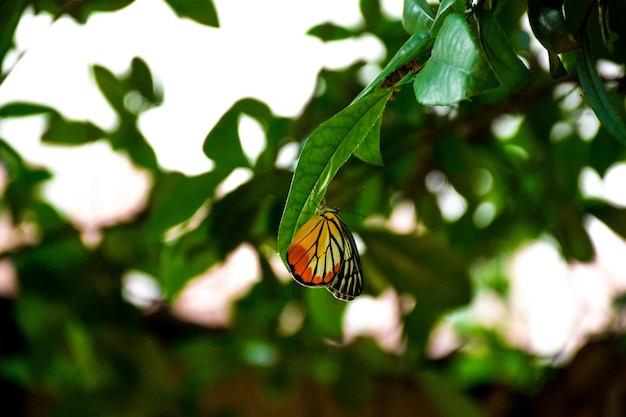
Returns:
(71, 345)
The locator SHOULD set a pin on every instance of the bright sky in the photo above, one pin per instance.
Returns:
(260, 51)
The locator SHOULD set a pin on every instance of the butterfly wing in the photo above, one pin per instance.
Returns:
(315, 254)
(348, 283)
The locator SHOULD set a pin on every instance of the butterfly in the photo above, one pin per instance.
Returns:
(323, 254)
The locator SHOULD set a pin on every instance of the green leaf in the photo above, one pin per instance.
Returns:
(454, 157)
(604, 151)
(416, 48)
(418, 324)
(229, 223)
(548, 24)
(80, 11)
(70, 132)
(128, 246)
(223, 144)
(11, 161)
(613, 217)
(141, 79)
(23, 181)
(176, 197)
(59, 257)
(129, 138)
(187, 257)
(608, 114)
(421, 266)
(609, 37)
(10, 14)
(557, 70)
(456, 69)
(232, 218)
(417, 15)
(370, 9)
(324, 152)
(428, 210)
(330, 32)
(275, 129)
(369, 151)
(502, 59)
(88, 366)
(112, 88)
(567, 225)
(201, 11)
(24, 109)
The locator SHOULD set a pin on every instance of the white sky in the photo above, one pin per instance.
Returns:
(260, 51)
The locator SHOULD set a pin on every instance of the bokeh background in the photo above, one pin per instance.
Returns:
(146, 152)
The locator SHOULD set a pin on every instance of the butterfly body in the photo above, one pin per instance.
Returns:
(323, 253)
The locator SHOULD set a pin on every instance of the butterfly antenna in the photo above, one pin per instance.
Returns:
(351, 201)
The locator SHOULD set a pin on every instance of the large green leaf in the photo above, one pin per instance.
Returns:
(324, 152)
(456, 69)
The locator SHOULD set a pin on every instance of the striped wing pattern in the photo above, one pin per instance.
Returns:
(348, 284)
(323, 253)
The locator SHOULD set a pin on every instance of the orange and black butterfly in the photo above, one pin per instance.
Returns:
(323, 254)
